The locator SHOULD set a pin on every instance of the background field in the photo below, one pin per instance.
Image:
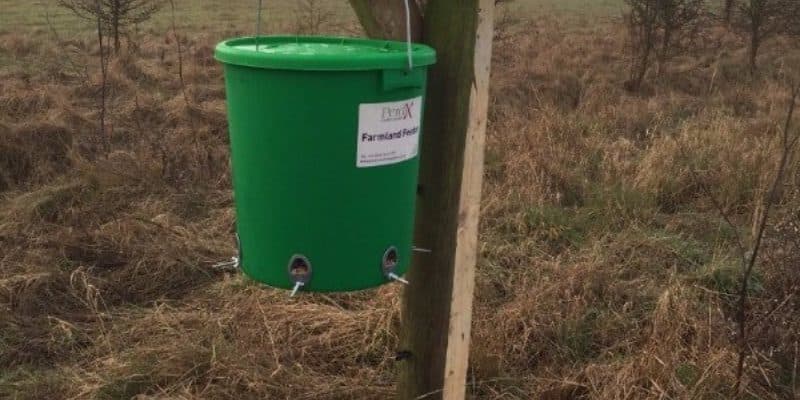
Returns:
(241, 15)
(605, 271)
(197, 14)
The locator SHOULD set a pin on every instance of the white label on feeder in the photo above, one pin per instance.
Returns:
(388, 133)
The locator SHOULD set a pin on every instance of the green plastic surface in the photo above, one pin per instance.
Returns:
(297, 188)
(322, 53)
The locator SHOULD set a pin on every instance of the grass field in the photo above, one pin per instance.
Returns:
(196, 14)
(605, 270)
(240, 14)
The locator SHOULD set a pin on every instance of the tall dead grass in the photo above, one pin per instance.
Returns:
(603, 272)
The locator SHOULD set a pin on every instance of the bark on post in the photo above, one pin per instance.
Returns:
(437, 306)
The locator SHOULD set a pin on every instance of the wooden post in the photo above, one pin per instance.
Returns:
(469, 209)
(437, 306)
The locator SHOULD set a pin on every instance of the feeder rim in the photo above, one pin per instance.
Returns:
(321, 53)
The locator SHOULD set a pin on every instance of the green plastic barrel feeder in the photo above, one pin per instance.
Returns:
(324, 140)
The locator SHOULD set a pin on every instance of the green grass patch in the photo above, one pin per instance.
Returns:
(694, 253)
(620, 205)
(126, 387)
(724, 275)
(557, 227)
(577, 337)
(687, 374)
(606, 209)
(704, 227)
(28, 384)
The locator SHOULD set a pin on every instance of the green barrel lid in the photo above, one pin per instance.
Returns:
(322, 53)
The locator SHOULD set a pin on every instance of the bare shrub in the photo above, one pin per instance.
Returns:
(657, 28)
(748, 248)
(727, 10)
(116, 16)
(312, 17)
(761, 20)
(681, 22)
(788, 142)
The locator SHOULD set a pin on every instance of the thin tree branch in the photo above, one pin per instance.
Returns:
(103, 79)
(788, 143)
(180, 52)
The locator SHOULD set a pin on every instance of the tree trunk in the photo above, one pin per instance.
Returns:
(642, 64)
(115, 10)
(664, 52)
(385, 19)
(103, 80)
(437, 305)
(755, 44)
(728, 11)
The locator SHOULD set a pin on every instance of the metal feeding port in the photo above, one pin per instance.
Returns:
(299, 272)
(389, 261)
(389, 264)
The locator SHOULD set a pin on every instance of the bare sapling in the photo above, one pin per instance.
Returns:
(761, 20)
(681, 21)
(312, 17)
(788, 145)
(748, 249)
(180, 51)
(727, 11)
(657, 30)
(642, 24)
(114, 16)
(103, 135)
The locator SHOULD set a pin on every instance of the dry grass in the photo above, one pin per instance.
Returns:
(604, 273)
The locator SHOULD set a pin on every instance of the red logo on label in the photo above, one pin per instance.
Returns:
(398, 113)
